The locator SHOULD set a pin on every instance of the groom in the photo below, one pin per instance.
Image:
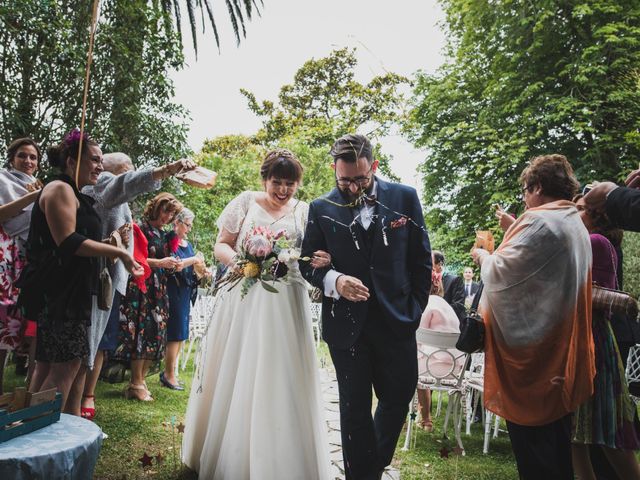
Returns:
(374, 294)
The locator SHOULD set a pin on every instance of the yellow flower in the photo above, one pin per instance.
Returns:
(251, 270)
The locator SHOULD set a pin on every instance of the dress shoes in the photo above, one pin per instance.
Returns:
(168, 384)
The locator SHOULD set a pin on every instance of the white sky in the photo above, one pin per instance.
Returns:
(399, 36)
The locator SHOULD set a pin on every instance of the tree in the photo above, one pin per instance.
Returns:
(325, 102)
(173, 16)
(523, 79)
(43, 48)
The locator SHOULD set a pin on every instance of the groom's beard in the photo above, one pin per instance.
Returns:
(355, 198)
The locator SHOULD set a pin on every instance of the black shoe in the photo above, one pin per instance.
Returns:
(166, 383)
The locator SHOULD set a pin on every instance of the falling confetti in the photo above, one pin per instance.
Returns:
(145, 460)
(444, 452)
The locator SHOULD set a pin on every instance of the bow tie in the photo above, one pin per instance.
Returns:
(370, 200)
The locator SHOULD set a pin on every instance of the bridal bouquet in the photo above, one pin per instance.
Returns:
(262, 258)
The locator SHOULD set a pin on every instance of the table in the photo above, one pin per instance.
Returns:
(66, 449)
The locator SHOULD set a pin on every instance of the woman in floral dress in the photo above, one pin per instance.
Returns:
(17, 193)
(145, 308)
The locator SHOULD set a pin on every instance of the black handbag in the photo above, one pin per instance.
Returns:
(471, 337)
(105, 287)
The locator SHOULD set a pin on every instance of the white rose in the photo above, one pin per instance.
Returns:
(295, 255)
(284, 256)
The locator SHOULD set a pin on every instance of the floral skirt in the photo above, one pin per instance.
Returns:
(12, 261)
(142, 331)
(607, 417)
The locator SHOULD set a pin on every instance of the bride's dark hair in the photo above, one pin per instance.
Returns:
(281, 163)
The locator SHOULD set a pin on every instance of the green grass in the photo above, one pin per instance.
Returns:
(423, 461)
(134, 428)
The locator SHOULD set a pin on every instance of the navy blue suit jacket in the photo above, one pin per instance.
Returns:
(399, 273)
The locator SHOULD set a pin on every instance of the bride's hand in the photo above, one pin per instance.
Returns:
(320, 259)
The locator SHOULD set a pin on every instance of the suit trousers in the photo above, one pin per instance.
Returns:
(381, 360)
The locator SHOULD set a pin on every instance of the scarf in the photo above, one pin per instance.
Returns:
(140, 255)
(13, 185)
(536, 305)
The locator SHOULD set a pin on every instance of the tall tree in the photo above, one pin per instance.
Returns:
(43, 48)
(325, 101)
(240, 11)
(524, 78)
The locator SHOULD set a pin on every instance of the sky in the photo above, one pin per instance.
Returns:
(402, 36)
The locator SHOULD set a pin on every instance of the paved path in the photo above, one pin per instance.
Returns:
(330, 396)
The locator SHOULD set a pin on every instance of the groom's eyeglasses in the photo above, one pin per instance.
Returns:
(359, 181)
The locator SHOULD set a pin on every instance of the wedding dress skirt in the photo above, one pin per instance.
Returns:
(255, 409)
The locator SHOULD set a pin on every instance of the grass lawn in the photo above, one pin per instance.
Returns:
(134, 428)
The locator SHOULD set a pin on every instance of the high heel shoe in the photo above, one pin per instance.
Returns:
(88, 412)
(138, 392)
(426, 425)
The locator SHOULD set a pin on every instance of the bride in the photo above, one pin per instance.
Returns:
(255, 409)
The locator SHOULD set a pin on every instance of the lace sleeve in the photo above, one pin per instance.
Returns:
(235, 212)
(301, 214)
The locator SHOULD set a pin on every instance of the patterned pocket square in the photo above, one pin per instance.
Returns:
(401, 222)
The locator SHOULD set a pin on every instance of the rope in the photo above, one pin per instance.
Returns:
(92, 36)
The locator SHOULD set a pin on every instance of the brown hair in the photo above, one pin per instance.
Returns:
(281, 163)
(602, 224)
(349, 148)
(12, 149)
(553, 173)
(58, 155)
(163, 201)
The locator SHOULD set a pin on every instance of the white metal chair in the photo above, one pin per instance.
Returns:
(443, 372)
(199, 318)
(632, 372)
(474, 382)
(316, 321)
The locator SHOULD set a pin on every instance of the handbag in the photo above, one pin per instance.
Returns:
(615, 301)
(105, 287)
(612, 300)
(471, 337)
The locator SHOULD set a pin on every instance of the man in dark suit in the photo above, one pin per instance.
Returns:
(453, 287)
(622, 204)
(374, 295)
(469, 286)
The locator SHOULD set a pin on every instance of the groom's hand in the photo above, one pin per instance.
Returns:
(352, 288)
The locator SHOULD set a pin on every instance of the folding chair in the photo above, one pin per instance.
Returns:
(443, 372)
(474, 382)
(199, 317)
(632, 371)
(316, 321)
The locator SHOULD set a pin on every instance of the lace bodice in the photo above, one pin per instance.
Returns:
(243, 213)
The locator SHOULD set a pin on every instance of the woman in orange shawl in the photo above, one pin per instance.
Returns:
(536, 305)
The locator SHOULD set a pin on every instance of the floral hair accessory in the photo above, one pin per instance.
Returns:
(73, 137)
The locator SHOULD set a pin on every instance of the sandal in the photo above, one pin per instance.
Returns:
(133, 391)
(426, 425)
(88, 412)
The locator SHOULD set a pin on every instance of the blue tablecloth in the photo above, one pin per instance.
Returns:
(67, 449)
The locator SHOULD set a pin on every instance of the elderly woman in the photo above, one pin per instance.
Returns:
(182, 288)
(606, 419)
(61, 273)
(18, 190)
(145, 308)
(536, 304)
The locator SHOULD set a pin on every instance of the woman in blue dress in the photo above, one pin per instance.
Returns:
(182, 288)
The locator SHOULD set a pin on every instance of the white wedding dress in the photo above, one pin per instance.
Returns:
(255, 409)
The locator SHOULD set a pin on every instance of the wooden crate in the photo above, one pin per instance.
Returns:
(23, 412)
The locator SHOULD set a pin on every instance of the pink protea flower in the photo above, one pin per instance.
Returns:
(258, 245)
